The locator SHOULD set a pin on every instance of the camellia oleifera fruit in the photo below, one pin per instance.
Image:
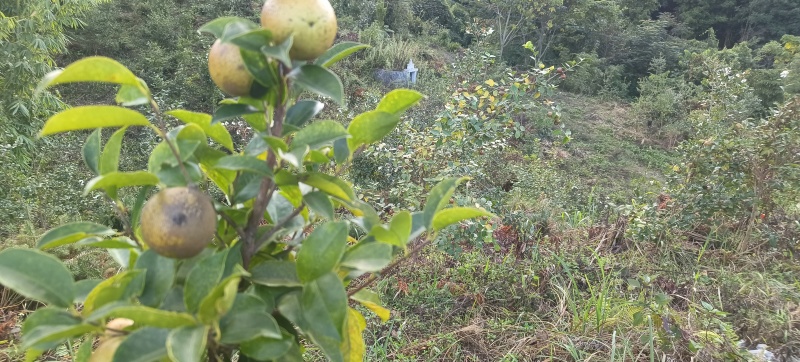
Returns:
(227, 69)
(312, 22)
(178, 222)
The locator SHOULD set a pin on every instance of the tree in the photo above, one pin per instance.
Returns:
(281, 261)
(31, 36)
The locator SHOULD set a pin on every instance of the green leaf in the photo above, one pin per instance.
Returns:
(341, 151)
(85, 350)
(217, 26)
(399, 100)
(187, 344)
(330, 185)
(324, 301)
(319, 80)
(120, 180)
(83, 288)
(229, 111)
(447, 217)
(131, 95)
(244, 163)
(109, 160)
(302, 112)
(158, 279)
(320, 203)
(49, 327)
(37, 275)
(219, 300)
(91, 69)
(203, 278)
(162, 154)
(141, 198)
(71, 233)
(240, 326)
(280, 52)
(319, 134)
(263, 70)
(266, 349)
(372, 301)
(217, 132)
(368, 256)
(353, 347)
(252, 40)
(322, 250)
(91, 151)
(143, 316)
(90, 117)
(276, 273)
(438, 198)
(369, 127)
(339, 52)
(119, 288)
(398, 232)
(143, 345)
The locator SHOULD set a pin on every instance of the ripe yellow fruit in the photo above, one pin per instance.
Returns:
(312, 22)
(178, 222)
(105, 352)
(227, 69)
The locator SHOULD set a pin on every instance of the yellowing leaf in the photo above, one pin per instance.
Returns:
(371, 301)
(353, 342)
(90, 117)
(491, 82)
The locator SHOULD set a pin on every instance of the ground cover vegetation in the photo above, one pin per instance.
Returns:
(640, 159)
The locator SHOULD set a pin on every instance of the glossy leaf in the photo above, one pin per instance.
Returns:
(330, 185)
(368, 256)
(244, 163)
(320, 203)
(48, 327)
(280, 52)
(132, 95)
(121, 179)
(438, 198)
(203, 278)
(143, 315)
(217, 132)
(302, 112)
(369, 127)
(91, 69)
(372, 301)
(109, 160)
(321, 250)
(353, 347)
(339, 52)
(264, 70)
(252, 40)
(37, 275)
(447, 217)
(398, 101)
(143, 345)
(319, 134)
(91, 117)
(217, 26)
(158, 279)
(119, 288)
(83, 288)
(324, 304)
(187, 344)
(240, 326)
(219, 300)
(398, 231)
(71, 233)
(276, 273)
(230, 111)
(319, 80)
(91, 151)
(266, 349)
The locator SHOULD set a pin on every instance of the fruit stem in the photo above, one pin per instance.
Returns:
(161, 130)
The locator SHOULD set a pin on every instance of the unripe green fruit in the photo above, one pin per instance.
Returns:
(227, 69)
(178, 222)
(312, 22)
